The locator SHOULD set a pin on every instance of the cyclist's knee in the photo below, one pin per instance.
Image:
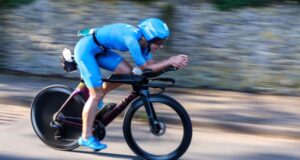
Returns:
(96, 94)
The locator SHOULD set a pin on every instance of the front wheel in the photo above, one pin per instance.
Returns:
(174, 136)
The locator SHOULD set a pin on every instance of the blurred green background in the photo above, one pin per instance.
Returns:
(240, 45)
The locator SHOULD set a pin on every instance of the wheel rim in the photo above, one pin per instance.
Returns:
(167, 142)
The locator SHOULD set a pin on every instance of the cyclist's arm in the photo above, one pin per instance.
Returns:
(141, 61)
(135, 50)
(156, 66)
(151, 64)
(177, 61)
(151, 61)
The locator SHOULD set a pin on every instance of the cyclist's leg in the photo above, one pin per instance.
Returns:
(84, 53)
(113, 62)
(88, 117)
(90, 110)
(90, 73)
(123, 68)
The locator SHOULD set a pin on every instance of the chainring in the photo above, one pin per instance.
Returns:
(99, 130)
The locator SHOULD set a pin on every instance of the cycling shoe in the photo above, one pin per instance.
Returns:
(92, 143)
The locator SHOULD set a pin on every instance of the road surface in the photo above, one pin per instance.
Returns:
(18, 140)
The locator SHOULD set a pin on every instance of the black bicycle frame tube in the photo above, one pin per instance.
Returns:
(117, 110)
(150, 110)
(81, 88)
(107, 117)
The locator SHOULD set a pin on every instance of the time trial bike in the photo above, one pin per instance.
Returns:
(155, 125)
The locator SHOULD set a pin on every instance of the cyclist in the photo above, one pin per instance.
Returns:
(96, 50)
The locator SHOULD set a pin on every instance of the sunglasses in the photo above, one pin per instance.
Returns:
(160, 42)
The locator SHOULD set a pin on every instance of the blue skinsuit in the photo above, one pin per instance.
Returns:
(119, 36)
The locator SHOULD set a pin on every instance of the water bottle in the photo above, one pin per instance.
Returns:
(67, 60)
(67, 54)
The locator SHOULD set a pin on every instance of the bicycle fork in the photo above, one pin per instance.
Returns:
(153, 121)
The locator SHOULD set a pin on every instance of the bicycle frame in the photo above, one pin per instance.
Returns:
(82, 90)
(64, 106)
(140, 85)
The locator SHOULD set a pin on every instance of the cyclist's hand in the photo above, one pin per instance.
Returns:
(179, 61)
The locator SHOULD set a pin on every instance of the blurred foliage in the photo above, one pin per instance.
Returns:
(230, 4)
(13, 3)
(221, 4)
(168, 12)
(144, 1)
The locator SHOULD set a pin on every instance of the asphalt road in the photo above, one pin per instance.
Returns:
(18, 140)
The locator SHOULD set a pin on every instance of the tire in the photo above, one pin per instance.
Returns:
(136, 119)
(45, 105)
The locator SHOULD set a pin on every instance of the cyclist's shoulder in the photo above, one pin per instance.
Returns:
(119, 29)
(122, 33)
(123, 26)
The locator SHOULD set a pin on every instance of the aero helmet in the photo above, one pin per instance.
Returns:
(153, 29)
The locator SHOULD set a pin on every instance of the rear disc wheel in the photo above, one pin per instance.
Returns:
(45, 105)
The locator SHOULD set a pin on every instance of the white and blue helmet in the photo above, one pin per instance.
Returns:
(154, 28)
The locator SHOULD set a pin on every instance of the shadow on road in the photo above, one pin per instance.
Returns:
(268, 156)
(10, 157)
(110, 155)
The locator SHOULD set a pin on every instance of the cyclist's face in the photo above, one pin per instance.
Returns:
(154, 47)
(158, 44)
